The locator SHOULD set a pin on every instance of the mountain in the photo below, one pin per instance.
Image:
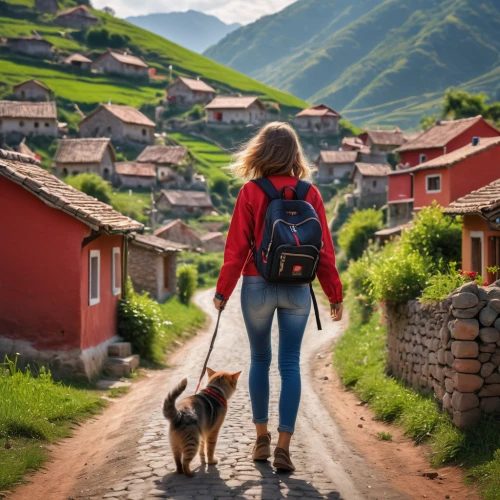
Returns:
(192, 29)
(379, 62)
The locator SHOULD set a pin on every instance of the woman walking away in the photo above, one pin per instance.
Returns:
(278, 252)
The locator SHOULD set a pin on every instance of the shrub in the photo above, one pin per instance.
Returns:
(197, 112)
(208, 266)
(187, 277)
(356, 233)
(100, 37)
(220, 185)
(440, 285)
(91, 184)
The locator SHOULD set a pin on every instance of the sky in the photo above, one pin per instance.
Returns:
(230, 11)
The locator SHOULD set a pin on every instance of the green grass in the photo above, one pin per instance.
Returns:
(132, 204)
(116, 392)
(185, 319)
(359, 358)
(384, 436)
(35, 411)
(207, 264)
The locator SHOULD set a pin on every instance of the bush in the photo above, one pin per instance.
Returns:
(91, 184)
(356, 233)
(220, 184)
(100, 37)
(197, 112)
(208, 266)
(187, 277)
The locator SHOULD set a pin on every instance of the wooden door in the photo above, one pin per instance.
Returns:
(476, 255)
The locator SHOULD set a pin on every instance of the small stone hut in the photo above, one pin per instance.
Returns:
(179, 232)
(370, 184)
(34, 46)
(31, 90)
(78, 17)
(185, 202)
(236, 110)
(190, 91)
(166, 159)
(318, 119)
(332, 165)
(135, 175)
(25, 118)
(121, 64)
(78, 61)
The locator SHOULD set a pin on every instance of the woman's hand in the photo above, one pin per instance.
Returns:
(219, 304)
(336, 311)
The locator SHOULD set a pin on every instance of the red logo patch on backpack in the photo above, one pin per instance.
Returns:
(297, 270)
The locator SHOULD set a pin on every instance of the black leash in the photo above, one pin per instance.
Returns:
(315, 305)
(210, 350)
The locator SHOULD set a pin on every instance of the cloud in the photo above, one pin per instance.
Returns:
(230, 11)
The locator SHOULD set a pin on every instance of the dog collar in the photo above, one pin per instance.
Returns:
(215, 395)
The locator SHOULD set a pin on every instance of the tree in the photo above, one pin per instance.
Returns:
(427, 121)
(91, 184)
(110, 11)
(460, 104)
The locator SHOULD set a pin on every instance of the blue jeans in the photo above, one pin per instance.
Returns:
(259, 301)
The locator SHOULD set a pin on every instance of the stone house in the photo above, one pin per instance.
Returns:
(169, 162)
(34, 46)
(189, 91)
(382, 142)
(213, 242)
(78, 156)
(318, 119)
(120, 123)
(120, 64)
(66, 249)
(153, 266)
(78, 61)
(370, 184)
(333, 165)
(179, 232)
(135, 175)
(46, 6)
(236, 110)
(28, 118)
(185, 202)
(31, 90)
(78, 17)
(354, 144)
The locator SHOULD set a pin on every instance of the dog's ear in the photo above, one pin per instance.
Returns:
(236, 376)
(210, 372)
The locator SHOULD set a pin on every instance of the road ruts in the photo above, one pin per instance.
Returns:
(326, 466)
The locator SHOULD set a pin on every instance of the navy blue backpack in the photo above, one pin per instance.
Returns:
(292, 239)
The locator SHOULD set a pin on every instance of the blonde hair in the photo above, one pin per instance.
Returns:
(275, 150)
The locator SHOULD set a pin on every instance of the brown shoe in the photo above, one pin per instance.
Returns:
(282, 460)
(262, 448)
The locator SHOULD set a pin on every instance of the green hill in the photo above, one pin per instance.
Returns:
(380, 62)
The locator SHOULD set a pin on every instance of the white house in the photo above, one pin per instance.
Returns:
(25, 118)
(234, 110)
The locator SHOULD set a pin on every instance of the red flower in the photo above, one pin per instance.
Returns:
(485, 283)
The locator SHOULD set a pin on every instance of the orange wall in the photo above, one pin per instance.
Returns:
(99, 322)
(423, 199)
(40, 278)
(399, 187)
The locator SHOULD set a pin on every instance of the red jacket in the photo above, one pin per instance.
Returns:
(248, 222)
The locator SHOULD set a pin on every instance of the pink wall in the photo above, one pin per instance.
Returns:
(400, 187)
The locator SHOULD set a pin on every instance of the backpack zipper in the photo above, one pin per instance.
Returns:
(288, 224)
(283, 257)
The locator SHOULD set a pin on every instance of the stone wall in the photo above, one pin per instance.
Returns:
(452, 349)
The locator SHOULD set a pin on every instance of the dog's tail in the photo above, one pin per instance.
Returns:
(170, 412)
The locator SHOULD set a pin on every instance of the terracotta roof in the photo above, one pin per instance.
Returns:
(25, 171)
(230, 102)
(338, 156)
(158, 244)
(456, 156)
(36, 82)
(168, 226)
(81, 10)
(25, 109)
(195, 85)
(372, 169)
(135, 169)
(440, 134)
(319, 110)
(83, 150)
(480, 202)
(172, 155)
(124, 58)
(77, 58)
(37, 39)
(199, 199)
(211, 236)
(126, 114)
(386, 137)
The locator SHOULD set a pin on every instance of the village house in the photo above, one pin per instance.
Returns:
(34, 46)
(443, 179)
(318, 119)
(135, 175)
(354, 144)
(213, 242)
(66, 249)
(370, 184)
(335, 165)
(167, 160)
(78, 17)
(153, 266)
(78, 61)
(188, 91)
(46, 6)
(185, 202)
(179, 232)
(236, 110)
(383, 142)
(480, 211)
(31, 90)
(120, 64)
(120, 123)
(28, 118)
(24, 149)
(78, 156)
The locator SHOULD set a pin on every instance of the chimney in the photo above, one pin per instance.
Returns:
(476, 141)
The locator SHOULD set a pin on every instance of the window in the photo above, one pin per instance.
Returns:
(94, 277)
(374, 184)
(330, 172)
(47, 124)
(105, 174)
(433, 183)
(65, 172)
(166, 272)
(109, 130)
(144, 131)
(21, 123)
(37, 124)
(116, 274)
(423, 158)
(476, 251)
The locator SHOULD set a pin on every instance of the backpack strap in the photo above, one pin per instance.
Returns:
(302, 188)
(268, 187)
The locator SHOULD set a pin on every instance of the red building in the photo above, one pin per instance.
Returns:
(442, 138)
(63, 269)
